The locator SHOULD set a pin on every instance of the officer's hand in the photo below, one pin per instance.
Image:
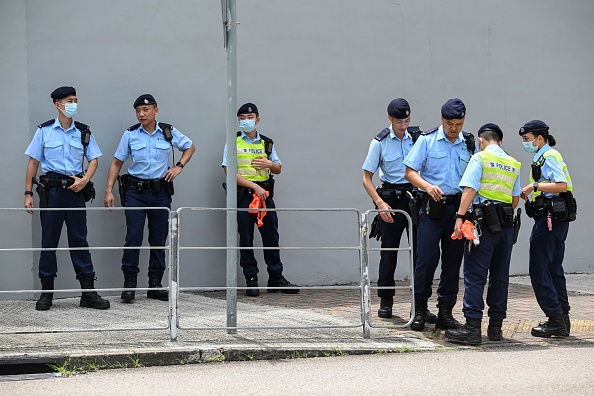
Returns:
(526, 191)
(29, 203)
(261, 163)
(434, 192)
(457, 227)
(79, 184)
(109, 200)
(386, 216)
(172, 173)
(260, 192)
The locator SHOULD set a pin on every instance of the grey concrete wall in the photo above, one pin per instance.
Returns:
(322, 74)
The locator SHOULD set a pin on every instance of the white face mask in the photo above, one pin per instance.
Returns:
(247, 125)
(70, 109)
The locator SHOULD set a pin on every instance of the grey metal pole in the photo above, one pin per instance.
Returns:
(231, 127)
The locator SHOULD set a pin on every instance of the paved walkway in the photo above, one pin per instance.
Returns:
(39, 340)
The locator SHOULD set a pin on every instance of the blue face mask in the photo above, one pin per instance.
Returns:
(70, 109)
(247, 125)
(529, 147)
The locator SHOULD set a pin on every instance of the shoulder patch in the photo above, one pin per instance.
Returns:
(430, 131)
(47, 123)
(133, 127)
(382, 135)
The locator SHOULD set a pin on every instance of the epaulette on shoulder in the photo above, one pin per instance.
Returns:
(238, 133)
(47, 123)
(382, 135)
(82, 127)
(265, 138)
(167, 128)
(414, 132)
(268, 143)
(164, 126)
(133, 127)
(429, 132)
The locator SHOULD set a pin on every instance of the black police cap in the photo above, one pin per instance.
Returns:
(399, 108)
(453, 109)
(63, 92)
(534, 125)
(248, 108)
(491, 127)
(145, 99)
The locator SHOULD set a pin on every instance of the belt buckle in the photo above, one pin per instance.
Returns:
(140, 184)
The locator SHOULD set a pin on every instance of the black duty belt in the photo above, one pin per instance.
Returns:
(400, 187)
(447, 199)
(142, 184)
(53, 179)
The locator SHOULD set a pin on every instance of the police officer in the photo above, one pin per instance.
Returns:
(256, 160)
(549, 181)
(149, 183)
(60, 146)
(386, 153)
(435, 165)
(491, 183)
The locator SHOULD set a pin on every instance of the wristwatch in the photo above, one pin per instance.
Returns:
(535, 186)
(180, 165)
(29, 193)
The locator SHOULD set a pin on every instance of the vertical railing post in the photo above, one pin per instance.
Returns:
(173, 275)
(365, 297)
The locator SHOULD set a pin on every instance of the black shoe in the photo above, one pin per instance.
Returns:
(418, 323)
(555, 326)
(252, 282)
(494, 331)
(155, 281)
(45, 300)
(469, 334)
(567, 322)
(445, 319)
(385, 310)
(91, 299)
(280, 281)
(130, 280)
(430, 317)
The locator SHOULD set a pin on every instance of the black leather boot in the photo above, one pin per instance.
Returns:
(91, 299)
(280, 281)
(385, 310)
(567, 322)
(252, 281)
(555, 326)
(45, 300)
(418, 323)
(430, 317)
(469, 334)
(445, 319)
(155, 279)
(130, 280)
(494, 331)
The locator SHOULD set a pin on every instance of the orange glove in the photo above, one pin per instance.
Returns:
(466, 229)
(257, 203)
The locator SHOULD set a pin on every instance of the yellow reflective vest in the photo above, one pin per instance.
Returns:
(555, 154)
(246, 153)
(499, 176)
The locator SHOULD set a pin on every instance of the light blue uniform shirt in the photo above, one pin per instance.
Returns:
(387, 155)
(551, 169)
(474, 172)
(150, 152)
(439, 161)
(61, 151)
(273, 156)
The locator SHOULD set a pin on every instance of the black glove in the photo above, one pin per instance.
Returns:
(375, 231)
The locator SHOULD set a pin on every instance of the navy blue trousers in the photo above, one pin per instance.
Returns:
(490, 258)
(76, 227)
(547, 249)
(430, 234)
(270, 238)
(391, 235)
(158, 228)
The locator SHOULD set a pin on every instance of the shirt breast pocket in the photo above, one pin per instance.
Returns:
(435, 161)
(76, 149)
(163, 150)
(464, 160)
(53, 150)
(390, 158)
(139, 152)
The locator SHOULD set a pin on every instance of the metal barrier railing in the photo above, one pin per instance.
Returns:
(59, 291)
(174, 247)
